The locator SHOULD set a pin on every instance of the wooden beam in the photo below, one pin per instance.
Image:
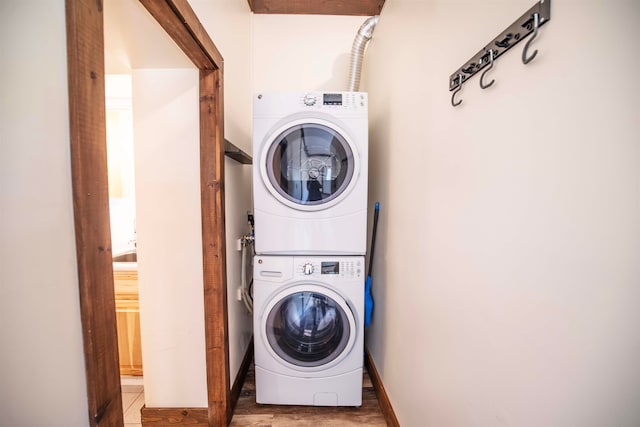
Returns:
(191, 21)
(315, 7)
(181, 24)
(163, 417)
(213, 246)
(85, 63)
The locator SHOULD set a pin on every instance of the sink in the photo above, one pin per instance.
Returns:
(130, 256)
(126, 261)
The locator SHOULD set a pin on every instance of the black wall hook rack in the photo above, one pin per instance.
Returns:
(516, 32)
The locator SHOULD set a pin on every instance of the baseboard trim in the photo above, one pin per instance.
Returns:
(381, 393)
(240, 378)
(163, 417)
(197, 417)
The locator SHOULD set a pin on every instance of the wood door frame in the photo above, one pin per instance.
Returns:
(85, 60)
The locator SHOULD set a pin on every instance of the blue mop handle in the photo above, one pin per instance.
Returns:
(376, 211)
(368, 298)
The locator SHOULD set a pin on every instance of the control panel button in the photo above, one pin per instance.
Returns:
(310, 100)
(307, 269)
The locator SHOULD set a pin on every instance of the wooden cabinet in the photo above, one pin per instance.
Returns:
(128, 322)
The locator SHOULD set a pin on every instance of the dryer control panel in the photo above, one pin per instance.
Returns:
(280, 105)
(345, 100)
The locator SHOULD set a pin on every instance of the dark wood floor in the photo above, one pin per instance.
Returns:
(249, 413)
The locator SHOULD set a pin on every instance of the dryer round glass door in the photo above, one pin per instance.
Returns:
(309, 328)
(310, 165)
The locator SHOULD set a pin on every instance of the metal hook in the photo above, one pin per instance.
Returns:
(482, 85)
(536, 24)
(460, 78)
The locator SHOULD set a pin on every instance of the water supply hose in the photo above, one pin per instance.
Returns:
(246, 287)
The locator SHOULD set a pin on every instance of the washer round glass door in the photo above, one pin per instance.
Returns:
(309, 165)
(309, 327)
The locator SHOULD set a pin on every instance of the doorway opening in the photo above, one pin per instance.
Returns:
(122, 213)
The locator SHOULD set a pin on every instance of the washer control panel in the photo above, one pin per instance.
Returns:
(329, 268)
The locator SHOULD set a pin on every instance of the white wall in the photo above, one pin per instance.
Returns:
(122, 197)
(41, 360)
(506, 278)
(238, 203)
(169, 230)
(302, 52)
(228, 23)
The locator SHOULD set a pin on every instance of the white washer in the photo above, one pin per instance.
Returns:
(310, 173)
(309, 330)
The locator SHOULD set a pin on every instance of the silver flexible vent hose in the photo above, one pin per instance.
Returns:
(357, 51)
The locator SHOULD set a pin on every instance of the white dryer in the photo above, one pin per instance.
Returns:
(310, 173)
(309, 330)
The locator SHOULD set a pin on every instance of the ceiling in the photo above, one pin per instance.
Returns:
(318, 7)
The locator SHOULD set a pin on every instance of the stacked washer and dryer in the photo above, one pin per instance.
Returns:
(310, 210)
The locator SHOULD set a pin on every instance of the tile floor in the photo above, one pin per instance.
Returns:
(132, 400)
